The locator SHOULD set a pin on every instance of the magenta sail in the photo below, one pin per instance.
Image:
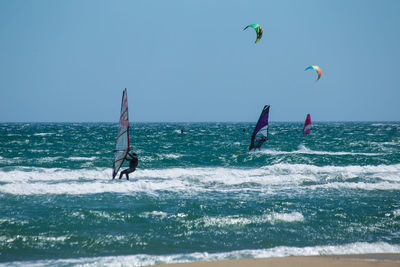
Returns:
(260, 134)
(122, 142)
(307, 125)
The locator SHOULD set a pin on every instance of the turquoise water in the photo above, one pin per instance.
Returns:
(194, 196)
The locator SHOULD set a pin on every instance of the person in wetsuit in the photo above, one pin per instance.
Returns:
(133, 162)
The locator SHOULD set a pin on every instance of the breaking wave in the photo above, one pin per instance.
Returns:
(304, 150)
(30, 180)
(282, 251)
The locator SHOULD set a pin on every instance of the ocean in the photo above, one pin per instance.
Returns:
(198, 195)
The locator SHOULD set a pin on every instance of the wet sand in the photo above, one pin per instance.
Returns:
(363, 260)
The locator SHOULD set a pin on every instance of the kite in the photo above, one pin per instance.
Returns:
(258, 30)
(317, 69)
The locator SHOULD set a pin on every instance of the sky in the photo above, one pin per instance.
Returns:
(191, 61)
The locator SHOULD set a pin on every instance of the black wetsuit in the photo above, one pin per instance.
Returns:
(133, 162)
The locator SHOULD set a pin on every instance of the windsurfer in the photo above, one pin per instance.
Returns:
(133, 162)
(260, 134)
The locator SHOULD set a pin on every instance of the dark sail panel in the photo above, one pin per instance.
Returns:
(260, 134)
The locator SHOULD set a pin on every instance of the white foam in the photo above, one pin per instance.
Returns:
(82, 158)
(43, 134)
(48, 159)
(360, 185)
(39, 150)
(168, 156)
(17, 160)
(282, 251)
(268, 179)
(396, 213)
(222, 221)
(90, 186)
(11, 220)
(28, 176)
(102, 214)
(155, 213)
(304, 150)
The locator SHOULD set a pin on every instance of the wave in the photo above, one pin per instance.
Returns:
(240, 220)
(359, 185)
(43, 134)
(268, 179)
(19, 160)
(304, 150)
(166, 156)
(237, 220)
(282, 251)
(82, 158)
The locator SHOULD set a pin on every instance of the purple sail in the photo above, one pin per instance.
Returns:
(260, 134)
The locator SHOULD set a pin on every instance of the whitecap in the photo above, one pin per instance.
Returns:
(240, 220)
(43, 134)
(281, 251)
(267, 179)
(304, 150)
(82, 158)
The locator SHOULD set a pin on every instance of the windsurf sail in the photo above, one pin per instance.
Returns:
(307, 125)
(260, 134)
(122, 143)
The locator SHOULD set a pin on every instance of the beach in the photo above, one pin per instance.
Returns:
(364, 260)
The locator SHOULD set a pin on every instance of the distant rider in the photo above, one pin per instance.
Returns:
(133, 162)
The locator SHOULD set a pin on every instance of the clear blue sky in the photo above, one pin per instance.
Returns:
(189, 60)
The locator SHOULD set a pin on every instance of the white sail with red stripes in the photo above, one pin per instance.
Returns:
(122, 142)
(307, 125)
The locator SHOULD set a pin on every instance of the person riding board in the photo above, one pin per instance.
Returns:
(133, 162)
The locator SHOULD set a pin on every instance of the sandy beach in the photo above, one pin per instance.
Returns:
(365, 260)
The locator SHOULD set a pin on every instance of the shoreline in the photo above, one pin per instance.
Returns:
(356, 260)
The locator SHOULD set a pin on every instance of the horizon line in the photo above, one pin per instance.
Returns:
(178, 122)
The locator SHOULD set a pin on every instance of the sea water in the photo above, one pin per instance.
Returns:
(198, 195)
